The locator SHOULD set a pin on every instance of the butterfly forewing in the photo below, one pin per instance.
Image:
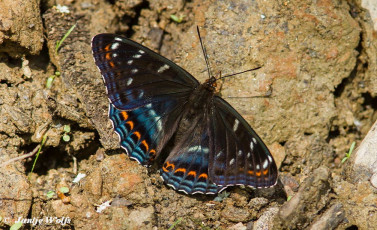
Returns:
(135, 76)
(147, 93)
(238, 156)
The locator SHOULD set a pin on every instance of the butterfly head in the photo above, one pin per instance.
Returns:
(211, 84)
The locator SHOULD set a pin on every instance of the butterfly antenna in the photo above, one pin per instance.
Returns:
(204, 53)
(230, 75)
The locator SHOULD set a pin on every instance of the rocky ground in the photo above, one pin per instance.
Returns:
(313, 97)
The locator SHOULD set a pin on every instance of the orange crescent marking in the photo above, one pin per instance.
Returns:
(107, 56)
(145, 144)
(107, 48)
(165, 168)
(137, 135)
(180, 170)
(258, 173)
(131, 124)
(204, 175)
(192, 173)
(153, 152)
(111, 64)
(251, 172)
(265, 172)
(124, 115)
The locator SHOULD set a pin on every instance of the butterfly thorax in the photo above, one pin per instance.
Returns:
(197, 108)
(200, 99)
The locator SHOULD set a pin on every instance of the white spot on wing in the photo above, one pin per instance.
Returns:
(240, 153)
(251, 145)
(137, 56)
(129, 81)
(118, 39)
(257, 167)
(235, 126)
(115, 46)
(115, 55)
(219, 154)
(141, 51)
(148, 105)
(134, 70)
(269, 158)
(231, 161)
(152, 113)
(163, 68)
(141, 94)
(254, 140)
(159, 125)
(248, 155)
(130, 62)
(198, 148)
(265, 164)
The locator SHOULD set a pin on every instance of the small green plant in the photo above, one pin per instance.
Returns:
(39, 150)
(66, 130)
(50, 79)
(175, 223)
(64, 190)
(16, 226)
(176, 19)
(221, 196)
(348, 155)
(289, 198)
(50, 194)
(59, 43)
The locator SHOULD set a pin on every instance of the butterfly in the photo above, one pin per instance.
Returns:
(154, 102)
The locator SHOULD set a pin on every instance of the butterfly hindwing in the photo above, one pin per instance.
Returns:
(186, 168)
(141, 131)
(238, 156)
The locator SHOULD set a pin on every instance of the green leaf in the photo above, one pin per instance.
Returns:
(175, 223)
(64, 190)
(348, 155)
(351, 148)
(59, 43)
(50, 79)
(67, 128)
(16, 226)
(66, 137)
(176, 19)
(39, 150)
(50, 194)
(221, 196)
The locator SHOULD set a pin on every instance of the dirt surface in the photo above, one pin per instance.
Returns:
(314, 95)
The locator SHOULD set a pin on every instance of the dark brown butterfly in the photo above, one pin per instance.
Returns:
(154, 101)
